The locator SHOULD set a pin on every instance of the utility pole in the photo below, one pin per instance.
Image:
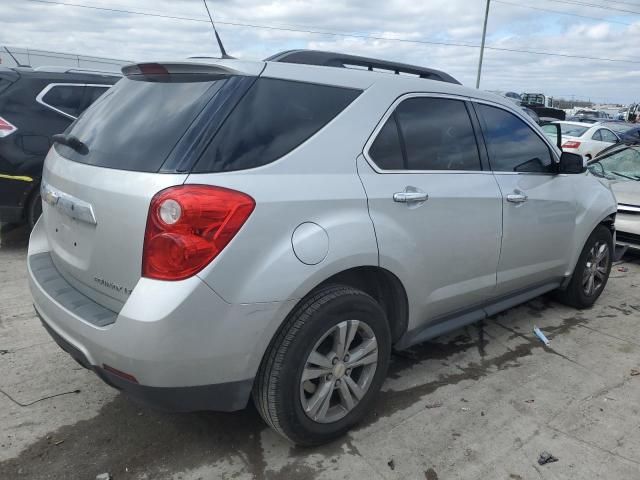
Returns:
(484, 36)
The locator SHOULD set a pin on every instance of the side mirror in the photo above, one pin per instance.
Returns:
(571, 163)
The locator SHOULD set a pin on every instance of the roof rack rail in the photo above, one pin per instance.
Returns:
(55, 69)
(340, 60)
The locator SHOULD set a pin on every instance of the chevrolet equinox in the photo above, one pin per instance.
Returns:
(216, 230)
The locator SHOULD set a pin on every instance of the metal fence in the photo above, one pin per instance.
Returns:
(11, 56)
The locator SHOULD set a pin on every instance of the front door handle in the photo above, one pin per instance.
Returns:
(410, 196)
(517, 198)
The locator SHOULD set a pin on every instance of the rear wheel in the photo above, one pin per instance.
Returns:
(323, 370)
(592, 270)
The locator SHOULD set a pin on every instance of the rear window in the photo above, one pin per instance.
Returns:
(573, 130)
(136, 123)
(273, 118)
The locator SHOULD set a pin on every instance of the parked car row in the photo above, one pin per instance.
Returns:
(35, 104)
(220, 230)
(589, 140)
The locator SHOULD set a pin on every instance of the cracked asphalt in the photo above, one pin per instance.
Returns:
(482, 402)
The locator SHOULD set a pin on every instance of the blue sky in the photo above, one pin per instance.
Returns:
(614, 35)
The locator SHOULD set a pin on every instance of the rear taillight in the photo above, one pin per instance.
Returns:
(571, 144)
(188, 226)
(6, 128)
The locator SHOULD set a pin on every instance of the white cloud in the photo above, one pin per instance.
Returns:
(121, 35)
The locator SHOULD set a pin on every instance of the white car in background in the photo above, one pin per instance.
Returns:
(584, 139)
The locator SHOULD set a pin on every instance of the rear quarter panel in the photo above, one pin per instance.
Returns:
(316, 182)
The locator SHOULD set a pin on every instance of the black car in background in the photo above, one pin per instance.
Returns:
(34, 105)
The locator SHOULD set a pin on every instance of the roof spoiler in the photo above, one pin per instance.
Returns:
(220, 68)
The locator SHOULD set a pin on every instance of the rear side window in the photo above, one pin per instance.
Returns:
(136, 123)
(65, 98)
(273, 118)
(513, 145)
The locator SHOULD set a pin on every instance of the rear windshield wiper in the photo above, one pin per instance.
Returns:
(630, 177)
(71, 142)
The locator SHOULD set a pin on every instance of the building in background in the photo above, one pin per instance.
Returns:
(45, 58)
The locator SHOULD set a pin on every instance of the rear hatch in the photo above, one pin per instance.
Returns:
(140, 137)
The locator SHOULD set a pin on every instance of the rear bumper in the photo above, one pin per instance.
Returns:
(229, 396)
(185, 347)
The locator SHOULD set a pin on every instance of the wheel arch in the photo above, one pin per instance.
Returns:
(385, 287)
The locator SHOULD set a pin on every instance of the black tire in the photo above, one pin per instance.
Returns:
(34, 209)
(575, 294)
(277, 392)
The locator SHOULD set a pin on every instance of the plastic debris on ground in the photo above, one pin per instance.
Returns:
(541, 336)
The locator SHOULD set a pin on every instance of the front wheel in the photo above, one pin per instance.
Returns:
(323, 370)
(592, 270)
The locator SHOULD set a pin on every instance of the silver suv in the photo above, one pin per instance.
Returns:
(214, 230)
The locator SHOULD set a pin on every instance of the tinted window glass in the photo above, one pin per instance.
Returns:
(437, 134)
(136, 123)
(273, 118)
(386, 151)
(92, 94)
(4, 84)
(67, 98)
(513, 145)
(597, 136)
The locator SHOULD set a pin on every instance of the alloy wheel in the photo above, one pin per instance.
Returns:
(338, 371)
(596, 267)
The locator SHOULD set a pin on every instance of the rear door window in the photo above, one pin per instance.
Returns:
(437, 134)
(273, 118)
(386, 150)
(430, 133)
(67, 99)
(608, 136)
(513, 145)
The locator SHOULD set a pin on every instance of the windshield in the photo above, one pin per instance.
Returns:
(623, 165)
(573, 130)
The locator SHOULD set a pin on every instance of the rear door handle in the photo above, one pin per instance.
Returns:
(410, 196)
(517, 198)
